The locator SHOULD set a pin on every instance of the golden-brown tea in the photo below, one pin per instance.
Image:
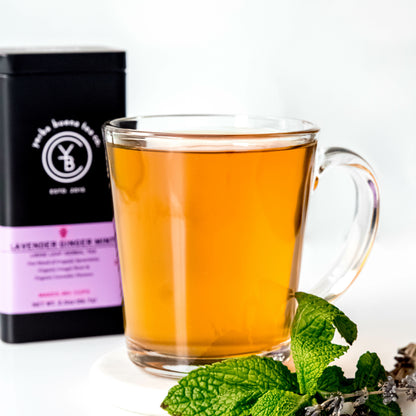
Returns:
(210, 246)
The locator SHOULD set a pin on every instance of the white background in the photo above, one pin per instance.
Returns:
(349, 66)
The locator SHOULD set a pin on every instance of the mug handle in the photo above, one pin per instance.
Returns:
(361, 236)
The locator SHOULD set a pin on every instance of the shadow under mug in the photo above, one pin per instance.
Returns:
(210, 214)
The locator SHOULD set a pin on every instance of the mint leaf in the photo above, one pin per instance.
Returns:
(311, 357)
(279, 403)
(229, 387)
(312, 332)
(318, 318)
(201, 400)
(369, 372)
(333, 380)
(376, 405)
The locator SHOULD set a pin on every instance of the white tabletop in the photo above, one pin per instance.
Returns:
(52, 378)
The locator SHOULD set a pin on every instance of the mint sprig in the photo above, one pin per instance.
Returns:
(229, 387)
(312, 332)
(261, 386)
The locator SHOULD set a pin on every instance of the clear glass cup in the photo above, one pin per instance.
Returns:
(210, 214)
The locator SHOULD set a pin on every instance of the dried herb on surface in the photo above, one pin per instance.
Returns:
(405, 362)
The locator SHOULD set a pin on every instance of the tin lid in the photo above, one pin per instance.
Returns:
(53, 60)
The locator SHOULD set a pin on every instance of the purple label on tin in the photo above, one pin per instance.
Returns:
(58, 268)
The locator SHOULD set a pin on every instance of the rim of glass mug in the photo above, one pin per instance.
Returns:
(237, 131)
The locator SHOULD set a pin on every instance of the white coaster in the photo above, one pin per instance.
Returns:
(119, 382)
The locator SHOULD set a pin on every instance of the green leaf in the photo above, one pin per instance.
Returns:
(311, 357)
(201, 401)
(230, 387)
(318, 318)
(333, 380)
(376, 405)
(312, 332)
(369, 372)
(279, 403)
(330, 380)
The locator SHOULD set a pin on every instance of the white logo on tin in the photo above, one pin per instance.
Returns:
(67, 157)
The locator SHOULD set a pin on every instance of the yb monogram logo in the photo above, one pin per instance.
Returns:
(67, 157)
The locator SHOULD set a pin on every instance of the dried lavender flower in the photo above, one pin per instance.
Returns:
(409, 383)
(336, 405)
(313, 410)
(389, 390)
(362, 397)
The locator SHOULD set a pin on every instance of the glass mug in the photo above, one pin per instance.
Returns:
(210, 214)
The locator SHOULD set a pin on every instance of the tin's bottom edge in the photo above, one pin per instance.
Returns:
(61, 325)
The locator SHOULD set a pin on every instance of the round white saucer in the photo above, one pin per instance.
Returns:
(117, 381)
